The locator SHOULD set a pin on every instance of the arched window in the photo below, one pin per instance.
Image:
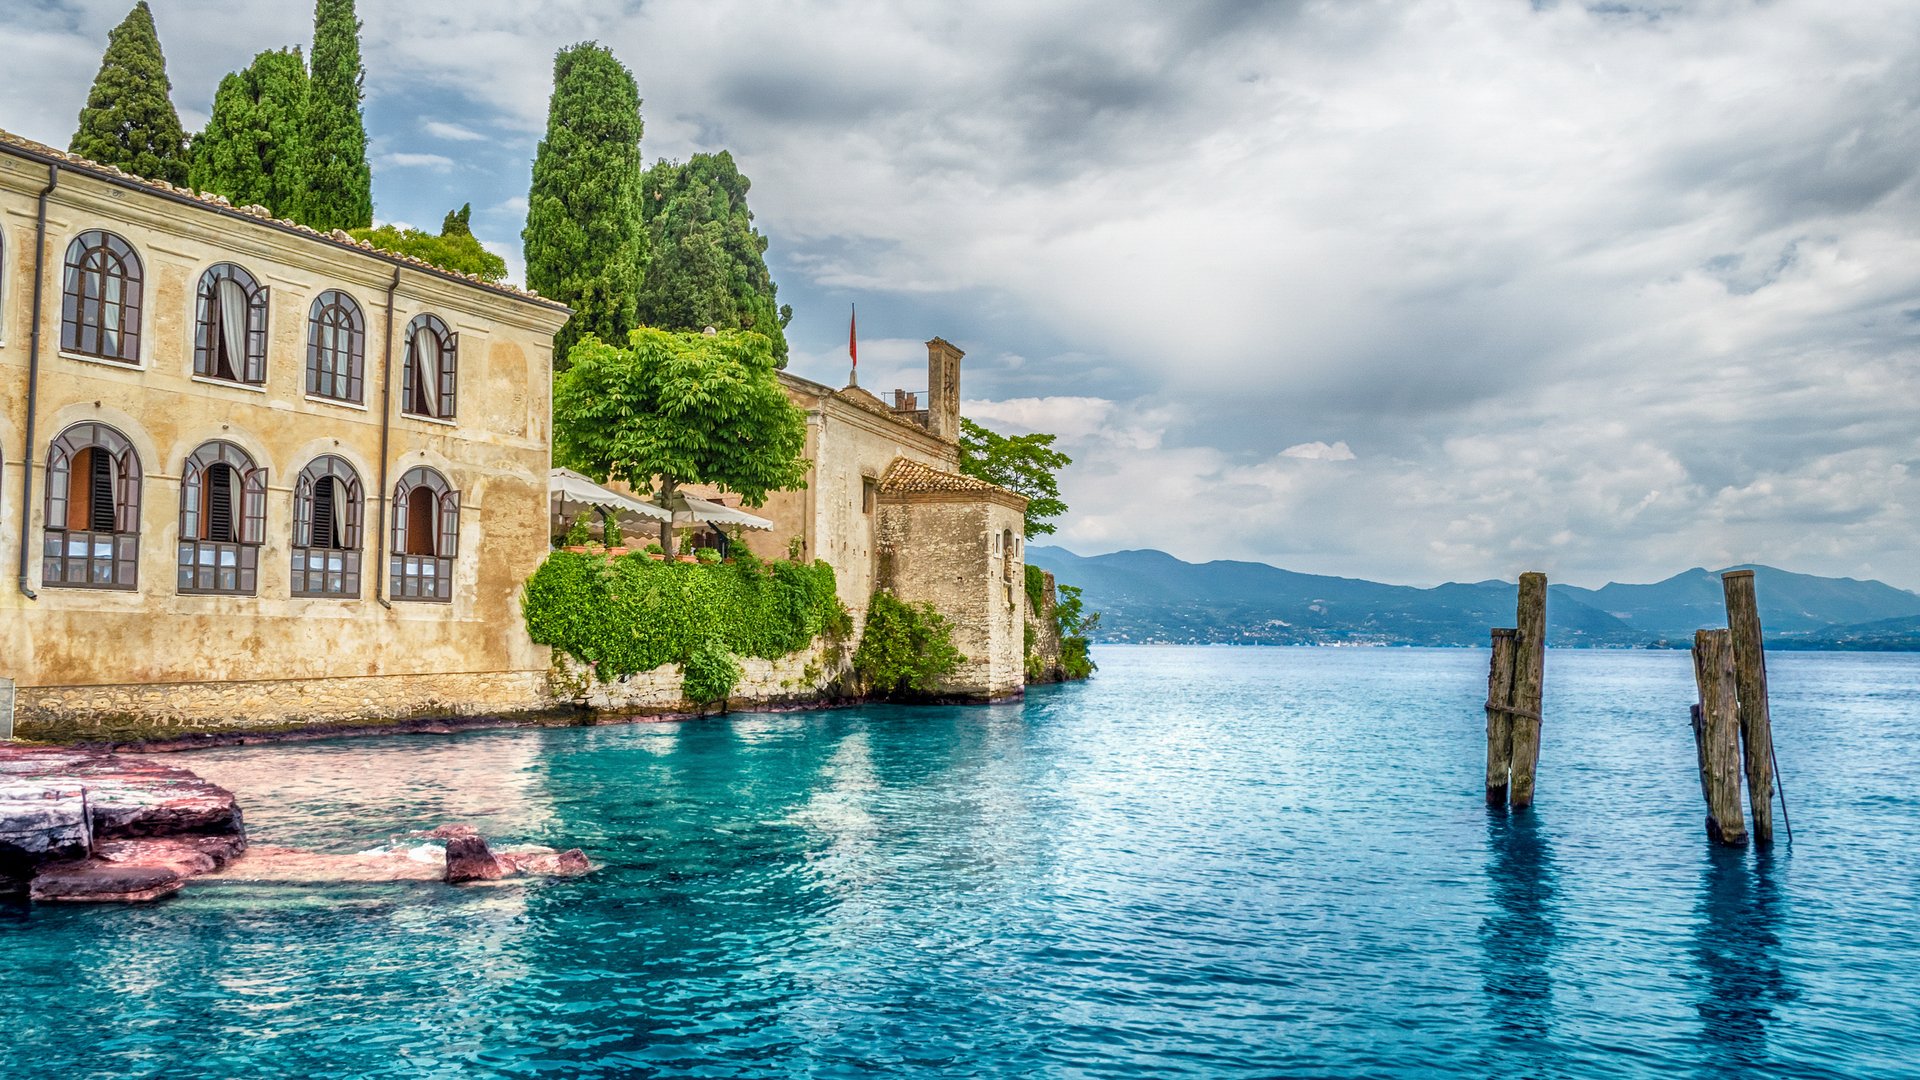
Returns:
(100, 309)
(230, 326)
(426, 536)
(1006, 553)
(92, 534)
(326, 529)
(433, 357)
(336, 347)
(223, 520)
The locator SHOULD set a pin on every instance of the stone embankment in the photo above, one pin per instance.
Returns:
(83, 826)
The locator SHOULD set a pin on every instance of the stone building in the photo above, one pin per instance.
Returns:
(886, 506)
(249, 471)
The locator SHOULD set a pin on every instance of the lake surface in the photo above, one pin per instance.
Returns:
(1205, 862)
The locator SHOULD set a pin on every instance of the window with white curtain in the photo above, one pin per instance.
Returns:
(428, 378)
(230, 326)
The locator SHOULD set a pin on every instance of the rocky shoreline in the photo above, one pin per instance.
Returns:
(83, 826)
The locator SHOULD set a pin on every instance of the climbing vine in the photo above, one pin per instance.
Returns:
(630, 614)
(905, 650)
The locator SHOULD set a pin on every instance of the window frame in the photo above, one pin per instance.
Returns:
(253, 365)
(355, 351)
(424, 578)
(344, 563)
(446, 378)
(130, 307)
(121, 558)
(208, 567)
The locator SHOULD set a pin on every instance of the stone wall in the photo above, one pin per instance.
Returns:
(953, 552)
(1043, 659)
(812, 676)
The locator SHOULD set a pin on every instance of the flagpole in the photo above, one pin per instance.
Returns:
(853, 348)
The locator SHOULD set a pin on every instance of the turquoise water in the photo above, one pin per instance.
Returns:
(1206, 862)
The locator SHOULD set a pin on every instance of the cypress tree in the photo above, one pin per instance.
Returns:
(585, 243)
(333, 133)
(708, 265)
(129, 119)
(250, 151)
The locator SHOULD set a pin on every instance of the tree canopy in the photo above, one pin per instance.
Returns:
(454, 249)
(333, 133)
(585, 243)
(129, 120)
(251, 150)
(682, 409)
(707, 264)
(1026, 464)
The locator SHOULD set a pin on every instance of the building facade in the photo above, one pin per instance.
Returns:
(250, 473)
(886, 507)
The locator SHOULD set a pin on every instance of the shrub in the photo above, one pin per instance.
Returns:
(632, 614)
(710, 673)
(579, 533)
(706, 555)
(906, 650)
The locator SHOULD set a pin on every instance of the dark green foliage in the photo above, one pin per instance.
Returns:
(1025, 464)
(339, 183)
(710, 674)
(129, 120)
(632, 613)
(686, 408)
(251, 151)
(1036, 588)
(585, 243)
(707, 264)
(906, 649)
(1076, 626)
(579, 533)
(455, 249)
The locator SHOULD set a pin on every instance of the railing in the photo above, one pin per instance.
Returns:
(216, 566)
(77, 559)
(422, 577)
(325, 572)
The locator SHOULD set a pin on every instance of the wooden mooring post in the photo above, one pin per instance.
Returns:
(1717, 735)
(1516, 677)
(1750, 682)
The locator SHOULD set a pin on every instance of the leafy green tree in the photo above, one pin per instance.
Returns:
(129, 120)
(680, 409)
(707, 264)
(585, 243)
(333, 133)
(455, 249)
(250, 151)
(1026, 464)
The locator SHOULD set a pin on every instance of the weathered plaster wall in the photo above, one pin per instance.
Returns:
(811, 676)
(951, 552)
(268, 654)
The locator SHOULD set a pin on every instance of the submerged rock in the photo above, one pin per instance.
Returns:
(98, 881)
(469, 859)
(545, 862)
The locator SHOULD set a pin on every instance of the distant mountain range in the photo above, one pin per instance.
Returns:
(1150, 596)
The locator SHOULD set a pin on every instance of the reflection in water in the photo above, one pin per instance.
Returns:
(1737, 946)
(1517, 938)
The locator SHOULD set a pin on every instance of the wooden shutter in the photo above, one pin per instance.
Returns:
(191, 481)
(256, 338)
(399, 537)
(447, 543)
(304, 506)
(346, 506)
(101, 515)
(253, 507)
(449, 370)
(409, 384)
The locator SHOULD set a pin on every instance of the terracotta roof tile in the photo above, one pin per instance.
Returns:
(337, 237)
(911, 476)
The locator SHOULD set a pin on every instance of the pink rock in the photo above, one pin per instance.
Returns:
(94, 881)
(546, 862)
(183, 859)
(469, 859)
(453, 829)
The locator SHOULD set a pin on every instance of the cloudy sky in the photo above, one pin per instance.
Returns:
(1414, 291)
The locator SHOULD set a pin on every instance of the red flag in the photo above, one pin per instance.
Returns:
(853, 341)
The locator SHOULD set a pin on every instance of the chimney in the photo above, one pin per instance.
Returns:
(943, 389)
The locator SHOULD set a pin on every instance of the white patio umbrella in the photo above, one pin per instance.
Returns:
(564, 487)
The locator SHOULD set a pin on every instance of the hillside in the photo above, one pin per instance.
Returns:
(1150, 596)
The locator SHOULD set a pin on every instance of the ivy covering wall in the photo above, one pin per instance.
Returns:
(631, 614)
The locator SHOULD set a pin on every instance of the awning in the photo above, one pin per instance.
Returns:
(688, 510)
(565, 486)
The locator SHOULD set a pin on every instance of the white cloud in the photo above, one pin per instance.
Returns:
(440, 129)
(1319, 451)
(403, 160)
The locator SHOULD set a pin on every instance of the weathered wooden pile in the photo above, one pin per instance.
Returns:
(1516, 688)
(1732, 726)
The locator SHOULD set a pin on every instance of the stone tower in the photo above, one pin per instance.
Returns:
(943, 389)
